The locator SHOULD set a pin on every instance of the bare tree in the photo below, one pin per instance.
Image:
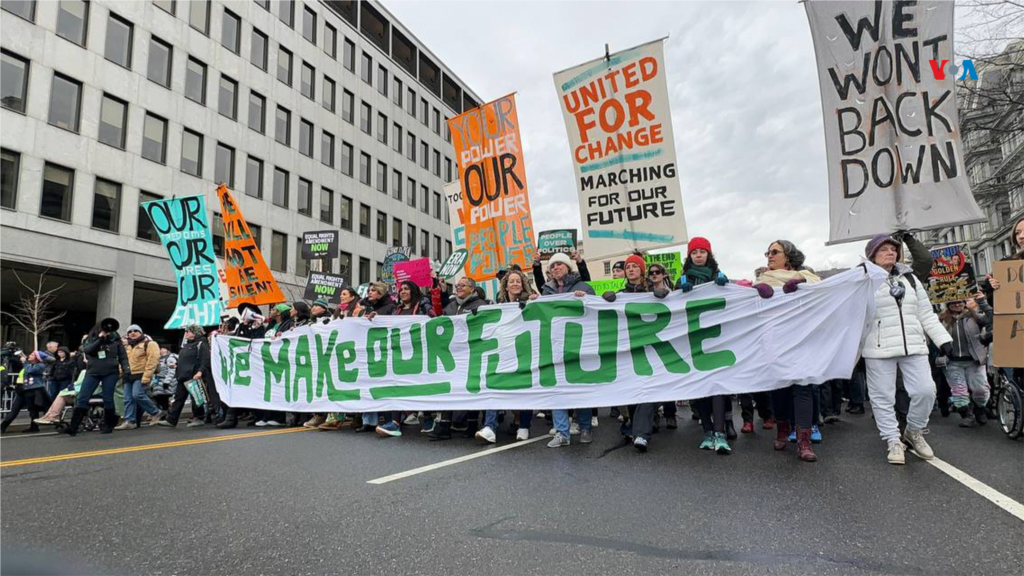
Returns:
(32, 310)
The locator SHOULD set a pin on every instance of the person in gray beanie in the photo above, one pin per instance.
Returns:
(143, 359)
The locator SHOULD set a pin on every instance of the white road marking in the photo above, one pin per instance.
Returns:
(36, 435)
(979, 487)
(458, 460)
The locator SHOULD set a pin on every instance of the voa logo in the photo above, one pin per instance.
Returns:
(967, 66)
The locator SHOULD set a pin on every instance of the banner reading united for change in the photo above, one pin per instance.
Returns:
(184, 230)
(892, 137)
(619, 121)
(558, 352)
(495, 199)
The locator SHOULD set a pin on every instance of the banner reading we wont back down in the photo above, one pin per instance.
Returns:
(617, 115)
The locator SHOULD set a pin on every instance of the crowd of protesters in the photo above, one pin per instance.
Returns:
(914, 354)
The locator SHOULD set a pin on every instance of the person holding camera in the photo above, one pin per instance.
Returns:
(106, 359)
(29, 392)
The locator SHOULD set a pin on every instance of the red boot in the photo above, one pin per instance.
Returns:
(782, 435)
(748, 427)
(803, 445)
(768, 424)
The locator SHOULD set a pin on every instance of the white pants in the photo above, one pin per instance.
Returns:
(917, 379)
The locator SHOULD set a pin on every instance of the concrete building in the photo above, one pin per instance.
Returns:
(318, 115)
(991, 113)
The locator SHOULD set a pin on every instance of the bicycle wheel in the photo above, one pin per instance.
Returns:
(1009, 406)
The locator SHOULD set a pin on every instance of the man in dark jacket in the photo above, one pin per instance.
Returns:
(193, 364)
(252, 329)
(106, 360)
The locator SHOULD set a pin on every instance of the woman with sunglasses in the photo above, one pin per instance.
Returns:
(903, 316)
(793, 404)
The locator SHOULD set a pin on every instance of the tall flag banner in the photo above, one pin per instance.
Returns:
(453, 196)
(184, 230)
(248, 278)
(495, 199)
(892, 137)
(619, 122)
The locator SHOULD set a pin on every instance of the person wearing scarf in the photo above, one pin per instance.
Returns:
(345, 309)
(143, 359)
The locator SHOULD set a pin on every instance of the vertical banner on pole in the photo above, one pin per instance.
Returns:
(248, 278)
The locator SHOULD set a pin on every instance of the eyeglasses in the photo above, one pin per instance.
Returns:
(772, 252)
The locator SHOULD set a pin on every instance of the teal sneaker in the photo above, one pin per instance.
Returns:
(709, 441)
(721, 444)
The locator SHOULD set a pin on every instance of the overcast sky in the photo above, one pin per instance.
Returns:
(745, 108)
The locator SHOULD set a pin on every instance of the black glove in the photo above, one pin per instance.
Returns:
(947, 350)
(609, 296)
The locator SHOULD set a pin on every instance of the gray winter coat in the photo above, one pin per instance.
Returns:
(570, 283)
(966, 332)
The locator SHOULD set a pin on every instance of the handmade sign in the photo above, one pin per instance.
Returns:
(892, 136)
(393, 256)
(558, 352)
(248, 277)
(453, 195)
(556, 241)
(184, 230)
(952, 275)
(417, 270)
(324, 285)
(1008, 328)
(319, 245)
(672, 262)
(610, 285)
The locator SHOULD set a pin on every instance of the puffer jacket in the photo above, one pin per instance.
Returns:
(965, 330)
(164, 381)
(143, 358)
(570, 283)
(901, 330)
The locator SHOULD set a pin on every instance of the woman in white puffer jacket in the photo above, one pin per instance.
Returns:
(903, 319)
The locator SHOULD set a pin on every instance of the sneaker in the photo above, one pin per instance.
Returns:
(792, 435)
(540, 414)
(916, 439)
(44, 421)
(553, 431)
(593, 422)
(330, 425)
(586, 436)
(614, 413)
(486, 434)
(748, 427)
(315, 421)
(709, 441)
(274, 423)
(640, 443)
(427, 426)
(523, 434)
(671, 423)
(558, 441)
(721, 444)
(895, 455)
(195, 423)
(165, 423)
(411, 420)
(768, 424)
(858, 409)
(390, 429)
(152, 419)
(459, 428)
(830, 419)
(126, 425)
(574, 429)
(261, 423)
(815, 435)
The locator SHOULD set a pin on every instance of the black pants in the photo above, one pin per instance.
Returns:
(857, 385)
(668, 409)
(180, 395)
(763, 402)
(832, 397)
(35, 401)
(794, 404)
(712, 413)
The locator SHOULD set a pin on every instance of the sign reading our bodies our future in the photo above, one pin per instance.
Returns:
(617, 115)
(558, 352)
(892, 137)
(248, 277)
(184, 230)
(495, 200)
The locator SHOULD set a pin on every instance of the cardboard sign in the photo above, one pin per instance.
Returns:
(248, 277)
(416, 270)
(551, 242)
(952, 275)
(1008, 342)
(1009, 299)
(454, 264)
(319, 245)
(602, 286)
(326, 286)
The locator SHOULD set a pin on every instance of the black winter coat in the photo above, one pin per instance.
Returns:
(194, 357)
(105, 355)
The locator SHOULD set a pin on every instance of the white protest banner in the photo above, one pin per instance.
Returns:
(559, 352)
(617, 115)
(892, 137)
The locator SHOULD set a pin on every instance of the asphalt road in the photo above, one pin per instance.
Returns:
(300, 503)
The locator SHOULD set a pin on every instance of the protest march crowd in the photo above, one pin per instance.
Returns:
(914, 359)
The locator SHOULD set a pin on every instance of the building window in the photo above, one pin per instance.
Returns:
(396, 91)
(65, 102)
(437, 206)
(113, 120)
(436, 116)
(364, 220)
(424, 243)
(106, 206)
(284, 65)
(305, 138)
(258, 50)
(424, 155)
(199, 15)
(265, 4)
(305, 197)
(448, 250)
(346, 159)
(73, 20)
(424, 199)
(283, 126)
(382, 129)
(447, 169)
(382, 177)
(10, 169)
(330, 41)
(327, 94)
(345, 267)
(254, 177)
(410, 237)
(410, 192)
(231, 32)
(382, 227)
(348, 103)
(365, 118)
(309, 24)
(301, 265)
(257, 111)
(364, 270)
(410, 102)
(364, 168)
(396, 232)
(195, 81)
(437, 163)
(13, 81)
(192, 153)
(24, 8)
(278, 251)
(257, 234)
(382, 80)
(227, 102)
(349, 56)
(159, 68)
(118, 48)
(307, 81)
(144, 229)
(286, 12)
(224, 166)
(327, 148)
(423, 111)
(396, 137)
(366, 69)
(326, 205)
(410, 146)
(437, 247)
(396, 185)
(58, 189)
(447, 131)
(280, 188)
(346, 213)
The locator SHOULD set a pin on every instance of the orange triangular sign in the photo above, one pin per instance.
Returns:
(248, 278)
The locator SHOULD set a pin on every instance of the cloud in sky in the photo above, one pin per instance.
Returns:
(745, 108)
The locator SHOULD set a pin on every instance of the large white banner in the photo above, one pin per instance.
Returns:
(617, 115)
(559, 352)
(895, 158)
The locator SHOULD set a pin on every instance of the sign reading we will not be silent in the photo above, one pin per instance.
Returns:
(248, 278)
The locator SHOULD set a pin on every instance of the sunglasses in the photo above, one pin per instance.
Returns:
(656, 273)
(772, 252)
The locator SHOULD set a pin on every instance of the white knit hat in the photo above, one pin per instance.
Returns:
(560, 258)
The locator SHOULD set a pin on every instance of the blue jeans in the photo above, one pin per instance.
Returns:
(54, 387)
(136, 392)
(89, 385)
(491, 419)
(370, 419)
(562, 420)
